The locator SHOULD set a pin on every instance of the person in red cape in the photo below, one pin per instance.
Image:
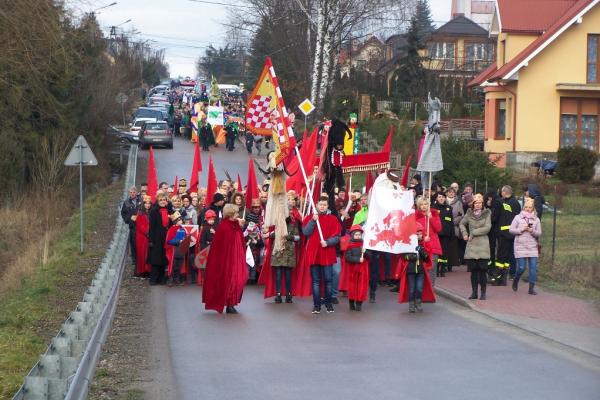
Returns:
(157, 233)
(415, 287)
(356, 269)
(321, 254)
(176, 250)
(142, 224)
(226, 272)
(425, 215)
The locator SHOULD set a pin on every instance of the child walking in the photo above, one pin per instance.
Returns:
(357, 269)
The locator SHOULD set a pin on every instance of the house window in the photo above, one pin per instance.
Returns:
(442, 51)
(579, 122)
(500, 133)
(593, 59)
(476, 55)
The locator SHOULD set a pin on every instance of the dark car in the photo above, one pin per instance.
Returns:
(156, 134)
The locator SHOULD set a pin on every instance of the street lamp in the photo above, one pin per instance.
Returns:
(114, 3)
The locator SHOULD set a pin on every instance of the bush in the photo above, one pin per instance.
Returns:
(463, 162)
(576, 164)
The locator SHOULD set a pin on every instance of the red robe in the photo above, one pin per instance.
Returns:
(226, 272)
(428, 295)
(170, 253)
(142, 224)
(355, 277)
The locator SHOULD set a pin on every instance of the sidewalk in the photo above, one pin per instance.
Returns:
(566, 320)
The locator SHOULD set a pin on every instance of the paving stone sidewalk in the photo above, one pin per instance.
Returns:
(567, 320)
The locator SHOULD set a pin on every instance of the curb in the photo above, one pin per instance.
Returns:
(467, 304)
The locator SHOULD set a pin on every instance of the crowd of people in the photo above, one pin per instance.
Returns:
(184, 237)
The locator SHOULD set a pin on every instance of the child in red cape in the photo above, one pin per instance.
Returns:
(176, 255)
(356, 269)
(415, 285)
(226, 272)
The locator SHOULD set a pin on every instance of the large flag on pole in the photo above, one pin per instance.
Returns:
(266, 101)
(196, 169)
(390, 225)
(152, 178)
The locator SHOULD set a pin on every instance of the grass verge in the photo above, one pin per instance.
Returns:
(32, 314)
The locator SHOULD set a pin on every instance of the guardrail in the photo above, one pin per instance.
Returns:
(66, 370)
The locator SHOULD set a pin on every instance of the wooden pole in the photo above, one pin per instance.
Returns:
(310, 192)
(429, 199)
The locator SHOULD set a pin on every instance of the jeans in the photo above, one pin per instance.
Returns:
(415, 286)
(315, 273)
(287, 271)
(337, 269)
(374, 268)
(522, 263)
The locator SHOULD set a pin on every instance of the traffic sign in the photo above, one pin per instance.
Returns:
(306, 107)
(81, 154)
(121, 98)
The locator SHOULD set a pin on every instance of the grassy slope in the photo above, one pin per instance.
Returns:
(21, 338)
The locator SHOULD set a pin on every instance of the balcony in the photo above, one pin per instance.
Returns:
(455, 64)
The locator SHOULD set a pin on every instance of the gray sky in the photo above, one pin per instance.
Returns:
(182, 27)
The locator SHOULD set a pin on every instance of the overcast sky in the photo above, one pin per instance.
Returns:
(182, 27)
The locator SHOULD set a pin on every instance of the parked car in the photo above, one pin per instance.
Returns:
(155, 134)
(134, 129)
(147, 112)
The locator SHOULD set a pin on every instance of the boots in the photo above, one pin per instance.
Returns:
(359, 306)
(372, 297)
(482, 297)
(504, 277)
(531, 288)
(411, 307)
(230, 310)
(419, 305)
(278, 298)
(288, 298)
(352, 306)
(515, 284)
(473, 295)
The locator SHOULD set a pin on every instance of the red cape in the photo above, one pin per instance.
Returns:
(428, 295)
(355, 277)
(226, 272)
(314, 253)
(435, 225)
(170, 253)
(142, 225)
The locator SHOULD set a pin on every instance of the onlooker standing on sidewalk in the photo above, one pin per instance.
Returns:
(129, 214)
(527, 229)
(475, 227)
(457, 215)
(508, 208)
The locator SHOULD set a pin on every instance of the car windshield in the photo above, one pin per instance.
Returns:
(138, 123)
(156, 127)
(145, 113)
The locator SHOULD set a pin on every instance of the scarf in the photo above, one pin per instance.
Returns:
(477, 213)
(528, 215)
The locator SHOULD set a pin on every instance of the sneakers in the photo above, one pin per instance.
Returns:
(278, 299)
(352, 306)
(288, 298)
(329, 308)
(334, 300)
(230, 310)
(358, 306)
(372, 297)
(316, 310)
(419, 306)
(411, 307)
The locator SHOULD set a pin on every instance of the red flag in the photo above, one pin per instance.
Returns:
(212, 184)
(239, 183)
(251, 185)
(404, 180)
(308, 153)
(369, 182)
(152, 179)
(387, 146)
(196, 169)
(176, 186)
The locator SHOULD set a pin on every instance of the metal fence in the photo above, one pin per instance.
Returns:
(386, 105)
(66, 370)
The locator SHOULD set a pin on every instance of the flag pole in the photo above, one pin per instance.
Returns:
(310, 192)
(429, 194)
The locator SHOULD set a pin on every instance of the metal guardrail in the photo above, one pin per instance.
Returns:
(66, 370)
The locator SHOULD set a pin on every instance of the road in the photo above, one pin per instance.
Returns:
(282, 351)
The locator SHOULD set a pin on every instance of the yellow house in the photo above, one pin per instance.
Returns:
(543, 92)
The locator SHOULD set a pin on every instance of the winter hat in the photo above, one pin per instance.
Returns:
(356, 228)
(218, 197)
(419, 227)
(210, 214)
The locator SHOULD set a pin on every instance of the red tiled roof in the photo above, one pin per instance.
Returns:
(531, 16)
(577, 7)
(483, 75)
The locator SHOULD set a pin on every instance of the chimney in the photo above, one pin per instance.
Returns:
(458, 8)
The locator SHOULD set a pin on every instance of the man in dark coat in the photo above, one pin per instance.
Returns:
(533, 191)
(128, 213)
(507, 209)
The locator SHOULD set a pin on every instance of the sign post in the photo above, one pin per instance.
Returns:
(122, 99)
(81, 155)
(306, 107)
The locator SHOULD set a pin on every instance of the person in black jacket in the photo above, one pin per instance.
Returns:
(448, 239)
(506, 210)
(129, 214)
(217, 204)
(532, 190)
(157, 233)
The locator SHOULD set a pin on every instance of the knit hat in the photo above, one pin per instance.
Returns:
(356, 228)
(218, 197)
(210, 214)
(419, 227)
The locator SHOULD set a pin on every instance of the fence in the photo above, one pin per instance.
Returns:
(386, 105)
(66, 370)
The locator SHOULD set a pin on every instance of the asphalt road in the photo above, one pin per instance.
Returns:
(282, 351)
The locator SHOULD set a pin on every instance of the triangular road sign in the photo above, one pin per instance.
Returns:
(81, 154)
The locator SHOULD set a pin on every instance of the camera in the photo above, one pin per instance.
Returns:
(530, 225)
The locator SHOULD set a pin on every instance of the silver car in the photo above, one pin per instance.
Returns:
(156, 134)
